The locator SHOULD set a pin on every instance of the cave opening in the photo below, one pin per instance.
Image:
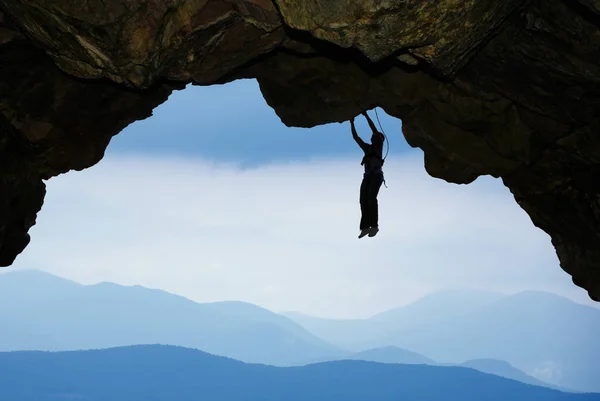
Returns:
(245, 185)
(67, 123)
(213, 198)
(213, 188)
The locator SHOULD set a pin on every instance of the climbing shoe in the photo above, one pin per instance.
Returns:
(363, 232)
(373, 231)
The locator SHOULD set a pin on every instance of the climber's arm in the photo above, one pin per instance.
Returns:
(357, 138)
(371, 124)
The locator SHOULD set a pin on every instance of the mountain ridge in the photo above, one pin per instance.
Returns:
(137, 373)
(241, 330)
(107, 314)
(549, 337)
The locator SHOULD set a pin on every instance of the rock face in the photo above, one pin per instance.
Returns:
(510, 89)
(133, 42)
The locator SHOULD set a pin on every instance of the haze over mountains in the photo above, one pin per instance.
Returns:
(43, 312)
(545, 335)
(535, 338)
(360, 334)
(506, 370)
(165, 373)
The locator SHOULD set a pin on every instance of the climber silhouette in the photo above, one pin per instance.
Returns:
(372, 178)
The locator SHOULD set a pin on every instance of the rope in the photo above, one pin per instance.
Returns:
(387, 141)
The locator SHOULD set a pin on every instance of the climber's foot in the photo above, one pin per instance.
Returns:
(363, 232)
(373, 231)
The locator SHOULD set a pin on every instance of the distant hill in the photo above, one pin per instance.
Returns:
(435, 308)
(351, 334)
(546, 336)
(39, 311)
(361, 334)
(389, 354)
(165, 373)
(397, 355)
(392, 355)
(505, 369)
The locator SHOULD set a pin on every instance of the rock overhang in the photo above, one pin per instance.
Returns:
(509, 89)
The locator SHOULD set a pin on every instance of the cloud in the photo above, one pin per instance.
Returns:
(284, 236)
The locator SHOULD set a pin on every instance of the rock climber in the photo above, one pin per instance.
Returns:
(372, 178)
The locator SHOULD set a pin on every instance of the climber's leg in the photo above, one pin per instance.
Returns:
(364, 209)
(373, 208)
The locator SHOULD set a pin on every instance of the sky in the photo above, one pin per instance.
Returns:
(213, 198)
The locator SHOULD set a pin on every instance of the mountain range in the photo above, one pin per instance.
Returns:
(165, 373)
(360, 334)
(40, 311)
(547, 336)
(516, 336)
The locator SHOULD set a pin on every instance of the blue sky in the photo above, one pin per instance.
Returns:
(232, 123)
(213, 198)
